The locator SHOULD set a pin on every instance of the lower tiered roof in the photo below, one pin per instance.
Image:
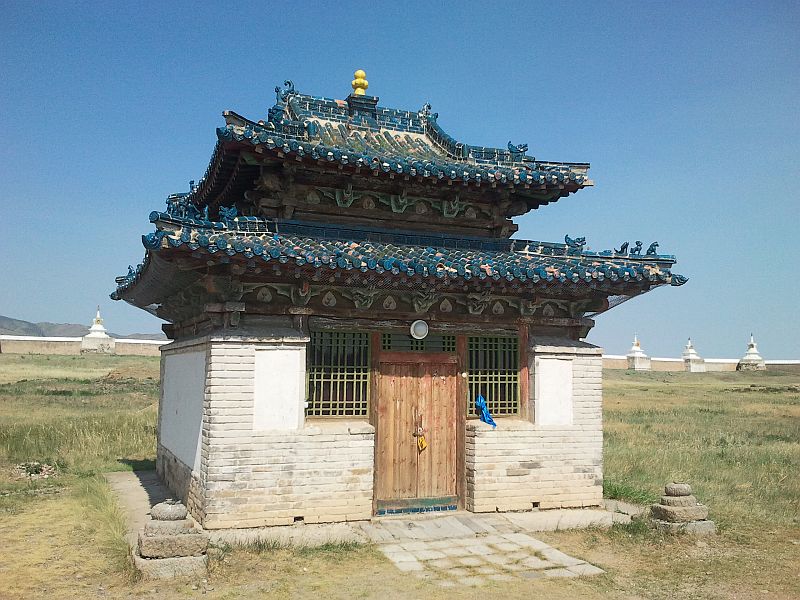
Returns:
(404, 256)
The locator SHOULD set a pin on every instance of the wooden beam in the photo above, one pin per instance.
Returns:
(461, 414)
(525, 408)
(375, 354)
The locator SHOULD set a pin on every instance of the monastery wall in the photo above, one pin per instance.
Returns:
(23, 344)
(716, 365)
(19, 344)
(129, 347)
(556, 460)
(29, 344)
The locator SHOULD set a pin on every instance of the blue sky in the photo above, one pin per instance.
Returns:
(688, 114)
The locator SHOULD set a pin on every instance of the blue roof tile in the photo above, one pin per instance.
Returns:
(410, 142)
(401, 254)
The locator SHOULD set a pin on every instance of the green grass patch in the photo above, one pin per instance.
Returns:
(84, 415)
(109, 523)
(330, 549)
(622, 491)
(734, 436)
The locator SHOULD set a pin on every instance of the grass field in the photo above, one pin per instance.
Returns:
(734, 436)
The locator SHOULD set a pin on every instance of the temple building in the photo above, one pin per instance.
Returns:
(356, 333)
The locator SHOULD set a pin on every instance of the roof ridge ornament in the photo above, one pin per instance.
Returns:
(517, 151)
(360, 83)
(281, 95)
(577, 244)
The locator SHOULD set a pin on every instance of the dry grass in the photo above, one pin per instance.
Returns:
(734, 436)
(16, 367)
(86, 415)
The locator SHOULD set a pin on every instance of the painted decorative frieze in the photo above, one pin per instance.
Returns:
(449, 208)
(365, 299)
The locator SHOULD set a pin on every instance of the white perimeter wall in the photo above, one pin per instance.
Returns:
(183, 390)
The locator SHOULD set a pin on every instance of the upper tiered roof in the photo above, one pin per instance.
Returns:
(357, 134)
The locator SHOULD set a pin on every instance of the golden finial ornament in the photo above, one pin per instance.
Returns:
(360, 83)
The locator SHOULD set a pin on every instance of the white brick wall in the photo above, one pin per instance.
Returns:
(319, 474)
(323, 471)
(521, 465)
(184, 481)
(255, 477)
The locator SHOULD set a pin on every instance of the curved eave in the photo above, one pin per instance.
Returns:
(155, 280)
(229, 174)
(440, 169)
(547, 264)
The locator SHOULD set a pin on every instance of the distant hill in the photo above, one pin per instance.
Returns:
(9, 326)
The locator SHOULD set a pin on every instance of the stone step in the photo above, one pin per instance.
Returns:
(679, 514)
(169, 527)
(698, 528)
(168, 568)
(172, 546)
(678, 500)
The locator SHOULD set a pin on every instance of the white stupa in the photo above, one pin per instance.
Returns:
(692, 361)
(637, 359)
(97, 340)
(752, 360)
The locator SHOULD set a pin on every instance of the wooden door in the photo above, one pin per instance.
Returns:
(416, 388)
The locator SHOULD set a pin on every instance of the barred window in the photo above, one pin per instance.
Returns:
(493, 372)
(431, 343)
(338, 374)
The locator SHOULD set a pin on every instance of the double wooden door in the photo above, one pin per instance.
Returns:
(417, 396)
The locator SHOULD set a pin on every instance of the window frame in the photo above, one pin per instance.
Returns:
(501, 374)
(337, 372)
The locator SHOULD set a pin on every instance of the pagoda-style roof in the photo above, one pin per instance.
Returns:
(182, 243)
(345, 209)
(356, 134)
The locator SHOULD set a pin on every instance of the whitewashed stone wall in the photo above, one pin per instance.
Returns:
(314, 475)
(555, 460)
(181, 407)
(261, 463)
(179, 457)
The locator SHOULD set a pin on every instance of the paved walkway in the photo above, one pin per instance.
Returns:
(454, 549)
(137, 492)
(468, 548)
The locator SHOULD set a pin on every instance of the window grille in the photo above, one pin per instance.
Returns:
(493, 371)
(338, 374)
(431, 343)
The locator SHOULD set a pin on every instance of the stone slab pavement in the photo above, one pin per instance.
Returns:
(469, 549)
(137, 492)
(450, 549)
